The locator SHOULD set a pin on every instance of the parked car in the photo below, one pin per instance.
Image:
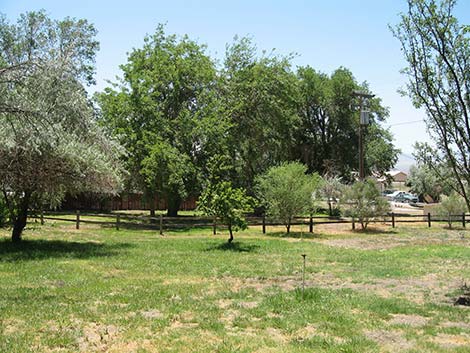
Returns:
(402, 196)
(393, 195)
(387, 192)
(407, 198)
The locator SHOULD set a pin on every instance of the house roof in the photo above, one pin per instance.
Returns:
(395, 172)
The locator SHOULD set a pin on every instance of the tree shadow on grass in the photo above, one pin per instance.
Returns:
(373, 230)
(44, 249)
(234, 247)
(295, 235)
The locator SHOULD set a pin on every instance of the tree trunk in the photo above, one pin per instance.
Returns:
(152, 211)
(231, 233)
(329, 206)
(19, 222)
(174, 202)
(288, 228)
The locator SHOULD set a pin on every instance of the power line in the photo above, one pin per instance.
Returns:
(407, 122)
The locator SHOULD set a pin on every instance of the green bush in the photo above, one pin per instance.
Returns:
(452, 207)
(287, 191)
(364, 202)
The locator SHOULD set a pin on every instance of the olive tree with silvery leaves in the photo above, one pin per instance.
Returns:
(49, 140)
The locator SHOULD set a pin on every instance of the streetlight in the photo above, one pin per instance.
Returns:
(364, 121)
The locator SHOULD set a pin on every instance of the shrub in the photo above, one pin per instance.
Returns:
(332, 189)
(451, 207)
(287, 191)
(364, 202)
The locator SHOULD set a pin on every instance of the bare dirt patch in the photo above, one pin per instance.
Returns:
(152, 314)
(12, 326)
(431, 287)
(224, 303)
(228, 317)
(453, 324)
(409, 320)
(391, 341)
(390, 241)
(248, 304)
(96, 337)
(451, 341)
(183, 325)
(311, 331)
(276, 335)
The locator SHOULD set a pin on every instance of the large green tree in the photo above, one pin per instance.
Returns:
(165, 110)
(260, 95)
(49, 140)
(327, 137)
(437, 50)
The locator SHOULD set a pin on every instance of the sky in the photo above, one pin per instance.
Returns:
(324, 34)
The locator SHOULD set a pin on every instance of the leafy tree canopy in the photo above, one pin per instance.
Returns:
(437, 50)
(220, 199)
(49, 141)
(260, 95)
(165, 111)
(328, 133)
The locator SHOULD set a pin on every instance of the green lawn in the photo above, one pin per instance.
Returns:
(98, 289)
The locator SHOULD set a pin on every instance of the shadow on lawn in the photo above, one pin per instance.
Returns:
(296, 235)
(234, 246)
(374, 230)
(44, 249)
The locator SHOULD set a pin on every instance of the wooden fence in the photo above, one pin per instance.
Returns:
(163, 223)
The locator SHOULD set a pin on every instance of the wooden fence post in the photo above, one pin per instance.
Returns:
(214, 226)
(77, 222)
(161, 224)
(264, 224)
(310, 225)
(393, 219)
(353, 224)
(463, 220)
(429, 219)
(118, 221)
(42, 217)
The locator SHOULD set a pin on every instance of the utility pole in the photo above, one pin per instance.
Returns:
(364, 121)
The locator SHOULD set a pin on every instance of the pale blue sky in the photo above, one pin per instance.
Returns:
(325, 35)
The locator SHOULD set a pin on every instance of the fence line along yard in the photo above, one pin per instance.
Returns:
(162, 223)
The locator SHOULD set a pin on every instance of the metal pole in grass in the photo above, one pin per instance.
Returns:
(161, 224)
(463, 220)
(353, 224)
(42, 217)
(303, 277)
(214, 226)
(393, 220)
(77, 221)
(310, 224)
(429, 219)
(264, 223)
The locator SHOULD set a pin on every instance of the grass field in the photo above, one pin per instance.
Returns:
(98, 289)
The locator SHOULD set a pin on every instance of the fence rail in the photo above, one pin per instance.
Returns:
(164, 223)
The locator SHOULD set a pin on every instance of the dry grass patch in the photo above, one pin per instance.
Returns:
(390, 340)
